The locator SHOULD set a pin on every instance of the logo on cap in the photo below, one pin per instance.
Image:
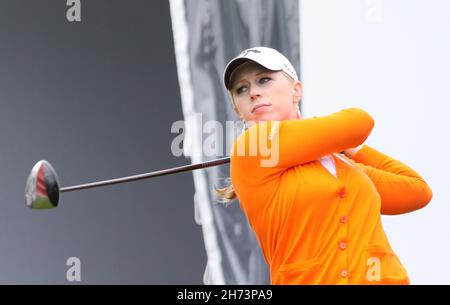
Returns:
(245, 52)
(288, 68)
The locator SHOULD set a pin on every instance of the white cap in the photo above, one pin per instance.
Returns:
(267, 57)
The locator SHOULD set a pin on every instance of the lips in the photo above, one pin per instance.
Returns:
(256, 107)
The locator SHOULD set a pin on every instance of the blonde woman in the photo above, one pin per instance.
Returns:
(316, 208)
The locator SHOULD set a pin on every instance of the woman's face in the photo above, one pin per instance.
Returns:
(262, 95)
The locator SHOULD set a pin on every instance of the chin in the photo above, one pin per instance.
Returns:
(267, 117)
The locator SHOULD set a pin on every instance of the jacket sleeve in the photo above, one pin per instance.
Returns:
(401, 189)
(294, 142)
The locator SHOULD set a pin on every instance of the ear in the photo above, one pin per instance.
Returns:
(297, 92)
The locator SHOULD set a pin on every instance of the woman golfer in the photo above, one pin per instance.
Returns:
(311, 190)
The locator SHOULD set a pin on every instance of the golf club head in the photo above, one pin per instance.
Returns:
(42, 188)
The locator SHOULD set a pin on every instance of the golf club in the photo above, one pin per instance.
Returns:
(42, 190)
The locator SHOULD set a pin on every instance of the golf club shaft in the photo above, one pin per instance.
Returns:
(148, 175)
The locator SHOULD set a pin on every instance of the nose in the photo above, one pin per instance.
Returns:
(254, 93)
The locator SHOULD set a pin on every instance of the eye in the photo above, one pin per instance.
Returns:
(240, 89)
(264, 79)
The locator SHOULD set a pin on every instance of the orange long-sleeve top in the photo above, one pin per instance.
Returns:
(314, 227)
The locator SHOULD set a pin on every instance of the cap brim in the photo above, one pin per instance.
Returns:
(232, 65)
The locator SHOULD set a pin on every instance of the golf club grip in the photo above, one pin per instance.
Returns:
(163, 172)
